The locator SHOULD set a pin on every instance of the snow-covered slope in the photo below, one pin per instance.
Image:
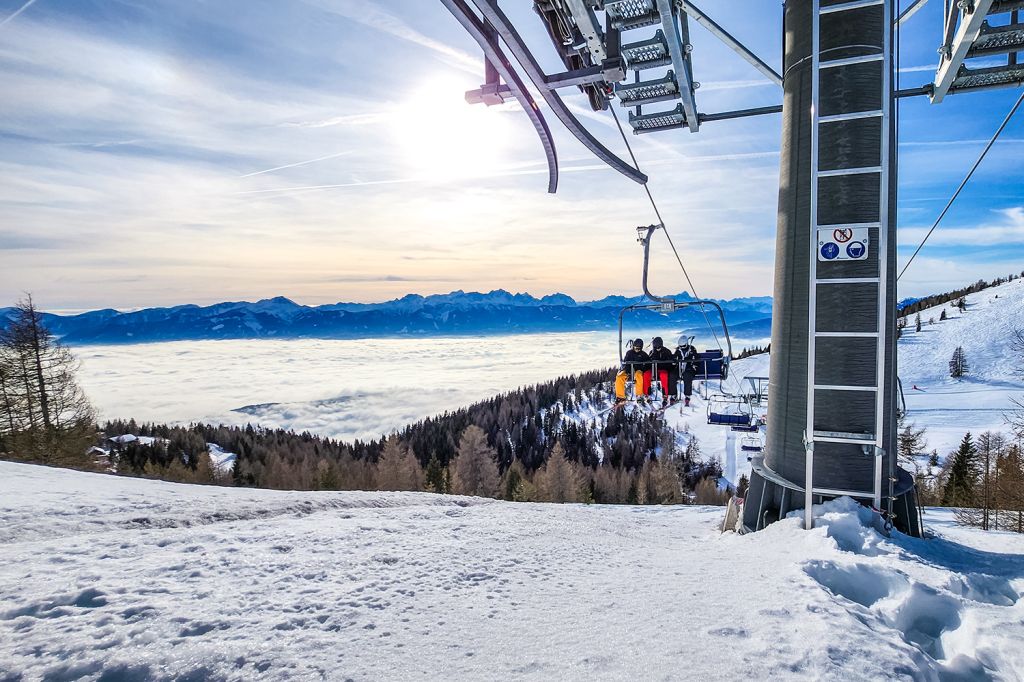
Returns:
(945, 407)
(949, 407)
(116, 578)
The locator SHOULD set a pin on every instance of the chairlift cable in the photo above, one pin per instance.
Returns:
(661, 221)
(977, 163)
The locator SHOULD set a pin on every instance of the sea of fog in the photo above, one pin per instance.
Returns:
(339, 388)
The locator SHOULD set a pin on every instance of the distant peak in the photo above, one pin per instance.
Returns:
(278, 300)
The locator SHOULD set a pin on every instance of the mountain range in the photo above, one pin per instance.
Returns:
(454, 313)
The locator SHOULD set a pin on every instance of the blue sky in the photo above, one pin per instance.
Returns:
(166, 152)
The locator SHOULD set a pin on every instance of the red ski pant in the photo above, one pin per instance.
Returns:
(663, 378)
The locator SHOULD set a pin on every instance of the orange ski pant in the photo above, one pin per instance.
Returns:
(642, 379)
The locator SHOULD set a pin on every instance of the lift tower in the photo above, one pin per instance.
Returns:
(831, 428)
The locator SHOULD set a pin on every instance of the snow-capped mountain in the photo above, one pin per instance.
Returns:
(455, 313)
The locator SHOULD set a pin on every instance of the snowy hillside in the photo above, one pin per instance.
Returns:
(116, 578)
(949, 407)
(946, 407)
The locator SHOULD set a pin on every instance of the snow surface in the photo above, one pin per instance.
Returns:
(980, 401)
(945, 407)
(119, 578)
(221, 458)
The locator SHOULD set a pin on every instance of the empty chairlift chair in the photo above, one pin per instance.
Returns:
(726, 410)
(751, 444)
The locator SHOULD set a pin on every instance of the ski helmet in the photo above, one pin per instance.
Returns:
(638, 344)
(657, 342)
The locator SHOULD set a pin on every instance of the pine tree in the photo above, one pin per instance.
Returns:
(475, 469)
(742, 486)
(327, 477)
(397, 468)
(963, 475)
(559, 480)
(435, 479)
(45, 415)
(665, 487)
(917, 323)
(910, 442)
(958, 366)
(1009, 488)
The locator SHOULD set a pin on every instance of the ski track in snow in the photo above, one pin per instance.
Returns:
(115, 578)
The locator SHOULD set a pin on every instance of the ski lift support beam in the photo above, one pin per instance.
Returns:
(966, 34)
(497, 64)
(736, 46)
(494, 15)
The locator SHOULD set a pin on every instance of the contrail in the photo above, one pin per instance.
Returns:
(293, 165)
(17, 12)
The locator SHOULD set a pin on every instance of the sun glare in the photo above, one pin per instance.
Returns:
(443, 137)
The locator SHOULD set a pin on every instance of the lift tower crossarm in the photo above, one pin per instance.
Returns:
(953, 52)
(670, 24)
(739, 48)
(497, 18)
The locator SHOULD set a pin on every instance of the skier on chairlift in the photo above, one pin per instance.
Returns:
(634, 363)
(686, 355)
(666, 365)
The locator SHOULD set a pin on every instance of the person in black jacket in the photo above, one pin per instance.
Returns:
(686, 356)
(636, 363)
(666, 367)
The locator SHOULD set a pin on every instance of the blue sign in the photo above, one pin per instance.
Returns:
(855, 249)
(830, 250)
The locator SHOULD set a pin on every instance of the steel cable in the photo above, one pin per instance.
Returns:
(661, 221)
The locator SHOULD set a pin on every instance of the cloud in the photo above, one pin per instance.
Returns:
(16, 12)
(392, 278)
(1008, 231)
(292, 384)
(297, 164)
(372, 15)
(17, 241)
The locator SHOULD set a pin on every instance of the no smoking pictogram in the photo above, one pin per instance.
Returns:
(842, 235)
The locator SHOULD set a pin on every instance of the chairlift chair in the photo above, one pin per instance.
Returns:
(729, 410)
(751, 444)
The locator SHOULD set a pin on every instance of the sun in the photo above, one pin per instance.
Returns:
(442, 137)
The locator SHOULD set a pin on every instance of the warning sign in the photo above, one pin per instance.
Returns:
(843, 243)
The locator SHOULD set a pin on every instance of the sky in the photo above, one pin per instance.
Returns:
(168, 152)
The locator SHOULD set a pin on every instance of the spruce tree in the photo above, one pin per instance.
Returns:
(435, 479)
(963, 475)
(917, 323)
(958, 365)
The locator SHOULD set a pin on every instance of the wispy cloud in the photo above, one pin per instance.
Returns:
(372, 15)
(1007, 230)
(297, 164)
(17, 12)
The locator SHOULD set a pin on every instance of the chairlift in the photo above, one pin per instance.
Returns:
(757, 390)
(751, 444)
(712, 363)
(730, 410)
